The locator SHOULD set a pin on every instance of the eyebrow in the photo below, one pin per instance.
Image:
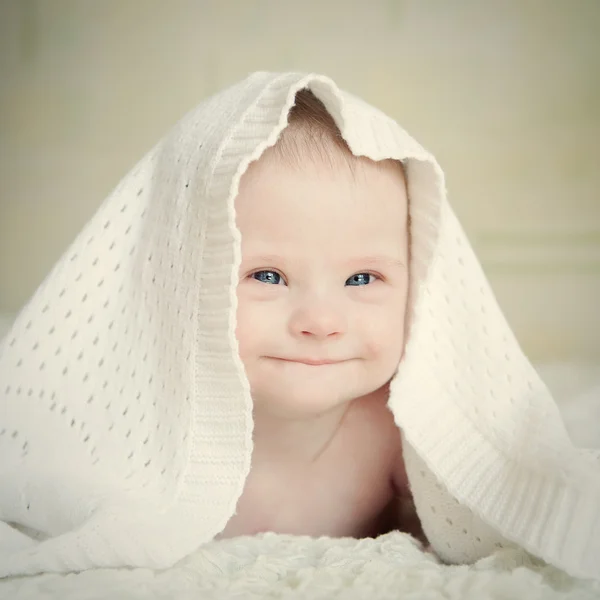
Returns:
(370, 260)
(379, 260)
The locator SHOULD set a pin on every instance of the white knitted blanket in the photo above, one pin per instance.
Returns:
(125, 410)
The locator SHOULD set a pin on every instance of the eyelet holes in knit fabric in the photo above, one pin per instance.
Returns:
(93, 345)
(454, 531)
(15, 437)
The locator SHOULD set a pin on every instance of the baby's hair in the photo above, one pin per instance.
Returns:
(312, 134)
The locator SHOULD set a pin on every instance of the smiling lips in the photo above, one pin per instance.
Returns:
(311, 362)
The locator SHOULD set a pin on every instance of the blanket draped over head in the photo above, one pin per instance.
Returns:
(125, 412)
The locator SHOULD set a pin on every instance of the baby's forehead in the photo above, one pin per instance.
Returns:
(338, 168)
(320, 206)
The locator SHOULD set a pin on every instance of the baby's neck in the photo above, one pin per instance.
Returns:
(295, 441)
(299, 441)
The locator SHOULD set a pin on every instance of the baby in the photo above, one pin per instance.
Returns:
(320, 323)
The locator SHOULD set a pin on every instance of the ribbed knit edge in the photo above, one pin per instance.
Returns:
(556, 521)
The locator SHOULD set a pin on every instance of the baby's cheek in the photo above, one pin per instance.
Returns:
(385, 334)
(387, 352)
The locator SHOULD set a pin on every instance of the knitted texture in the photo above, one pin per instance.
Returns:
(125, 412)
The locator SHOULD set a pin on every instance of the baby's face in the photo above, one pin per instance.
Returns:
(323, 282)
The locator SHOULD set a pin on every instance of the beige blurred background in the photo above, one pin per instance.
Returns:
(506, 93)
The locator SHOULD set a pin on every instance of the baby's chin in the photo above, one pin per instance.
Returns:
(305, 399)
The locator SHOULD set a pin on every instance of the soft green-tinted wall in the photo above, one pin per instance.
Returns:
(505, 92)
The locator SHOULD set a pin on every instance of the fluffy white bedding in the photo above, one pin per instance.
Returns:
(274, 566)
(391, 566)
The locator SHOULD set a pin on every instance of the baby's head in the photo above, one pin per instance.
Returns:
(324, 271)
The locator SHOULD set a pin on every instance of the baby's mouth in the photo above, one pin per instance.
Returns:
(313, 362)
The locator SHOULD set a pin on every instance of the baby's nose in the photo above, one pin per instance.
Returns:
(318, 319)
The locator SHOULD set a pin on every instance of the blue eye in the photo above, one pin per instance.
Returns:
(267, 277)
(360, 279)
